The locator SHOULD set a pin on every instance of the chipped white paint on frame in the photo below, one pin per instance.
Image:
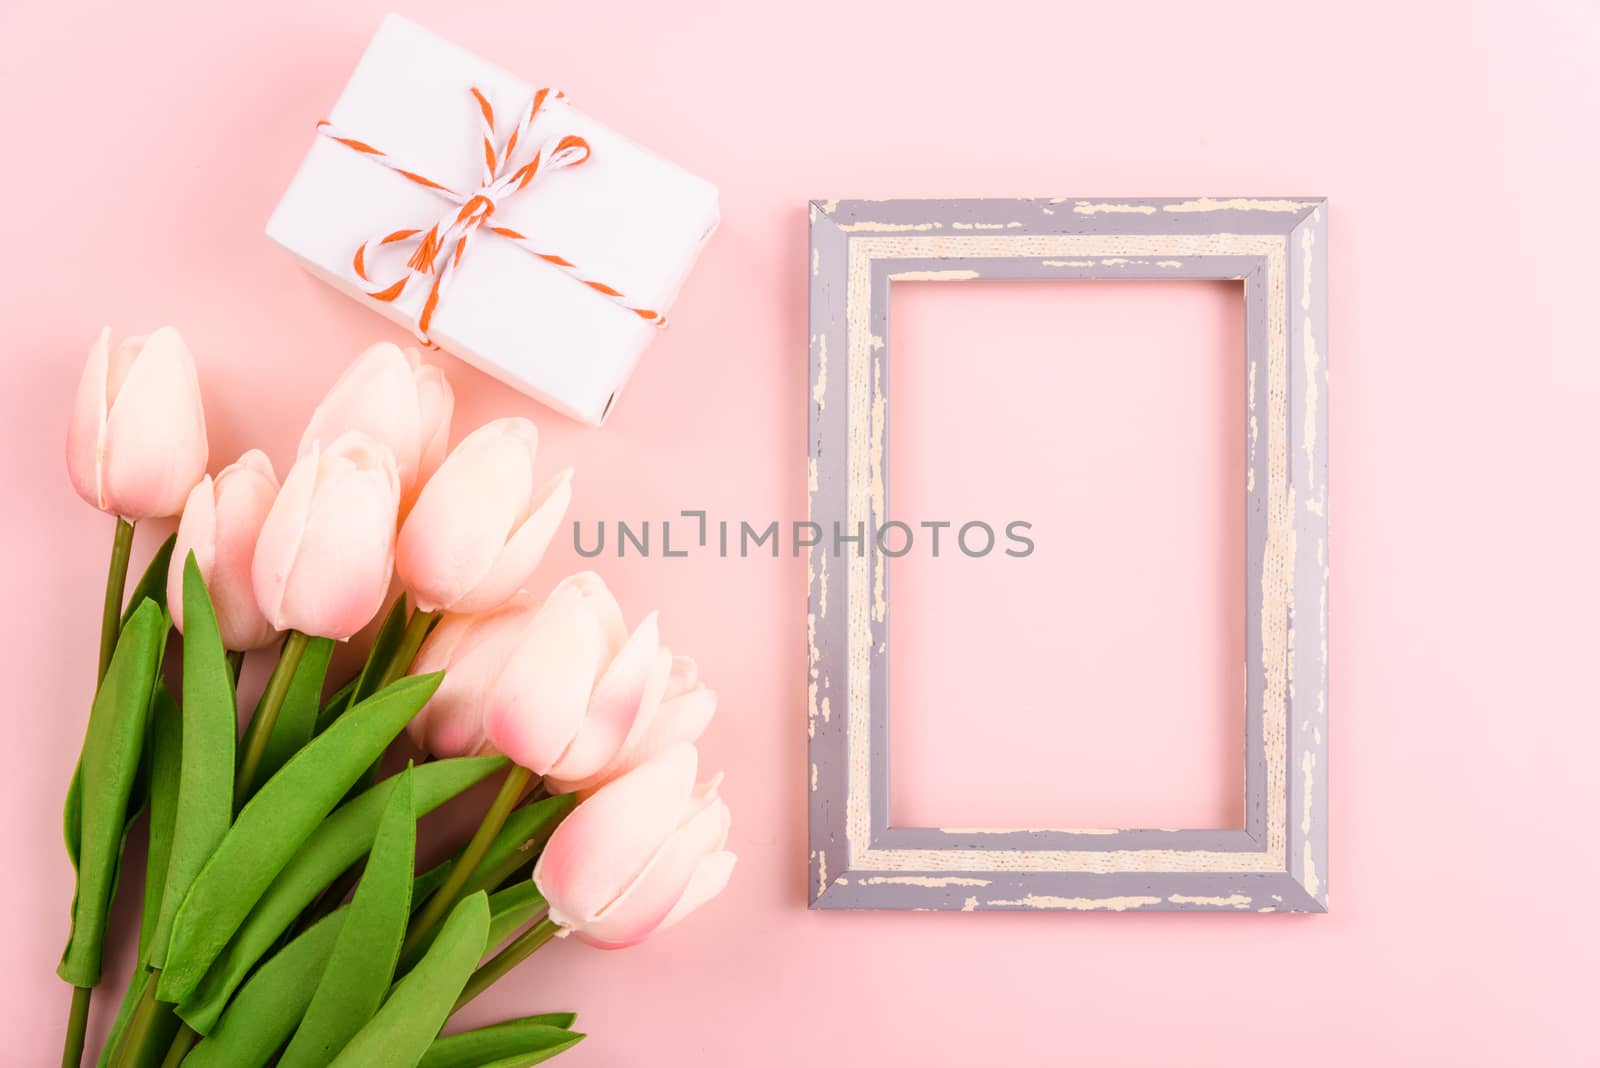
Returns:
(858, 632)
(1079, 904)
(930, 881)
(934, 276)
(1234, 901)
(819, 388)
(1084, 207)
(1238, 204)
(878, 227)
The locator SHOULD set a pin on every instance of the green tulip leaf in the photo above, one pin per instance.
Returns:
(425, 884)
(341, 841)
(166, 755)
(163, 1025)
(529, 1040)
(165, 748)
(130, 997)
(362, 963)
(384, 644)
(113, 748)
(234, 1028)
(385, 647)
(269, 1006)
(519, 843)
(130, 1000)
(334, 705)
(511, 909)
(152, 585)
(72, 814)
(297, 717)
(409, 1021)
(275, 823)
(210, 728)
(523, 1060)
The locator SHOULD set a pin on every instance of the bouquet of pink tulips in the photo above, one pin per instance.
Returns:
(283, 916)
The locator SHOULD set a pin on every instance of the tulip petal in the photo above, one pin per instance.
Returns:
(244, 492)
(627, 693)
(682, 719)
(376, 395)
(538, 704)
(87, 427)
(709, 880)
(197, 533)
(435, 655)
(436, 403)
(465, 513)
(281, 534)
(598, 851)
(154, 449)
(607, 612)
(685, 676)
(472, 658)
(521, 553)
(473, 651)
(341, 573)
(123, 354)
(647, 902)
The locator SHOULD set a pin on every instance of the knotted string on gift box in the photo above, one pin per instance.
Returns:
(440, 248)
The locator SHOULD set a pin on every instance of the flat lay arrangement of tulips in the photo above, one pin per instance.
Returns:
(284, 917)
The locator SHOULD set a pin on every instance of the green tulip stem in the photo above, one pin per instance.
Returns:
(77, 1024)
(519, 950)
(259, 732)
(417, 628)
(116, 580)
(444, 899)
(110, 628)
(182, 1043)
(130, 1050)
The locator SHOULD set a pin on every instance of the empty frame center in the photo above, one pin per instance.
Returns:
(1098, 680)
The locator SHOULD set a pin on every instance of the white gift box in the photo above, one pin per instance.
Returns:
(624, 218)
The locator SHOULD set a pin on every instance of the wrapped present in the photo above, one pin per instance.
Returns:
(495, 220)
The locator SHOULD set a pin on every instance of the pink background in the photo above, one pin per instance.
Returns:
(1113, 416)
(145, 150)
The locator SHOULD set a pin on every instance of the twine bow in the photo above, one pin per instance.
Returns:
(439, 249)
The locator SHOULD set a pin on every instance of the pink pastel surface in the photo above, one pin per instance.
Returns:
(146, 146)
(1097, 681)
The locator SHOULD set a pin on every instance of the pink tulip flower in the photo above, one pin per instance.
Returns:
(390, 394)
(679, 712)
(559, 687)
(639, 855)
(578, 693)
(472, 651)
(326, 553)
(481, 525)
(136, 444)
(220, 525)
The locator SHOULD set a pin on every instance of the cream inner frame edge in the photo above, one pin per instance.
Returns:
(865, 495)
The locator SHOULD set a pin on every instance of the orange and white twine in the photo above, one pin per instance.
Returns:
(440, 248)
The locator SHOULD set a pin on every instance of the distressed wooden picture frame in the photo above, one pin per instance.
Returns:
(1278, 862)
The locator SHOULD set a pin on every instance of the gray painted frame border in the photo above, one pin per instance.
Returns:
(1278, 862)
